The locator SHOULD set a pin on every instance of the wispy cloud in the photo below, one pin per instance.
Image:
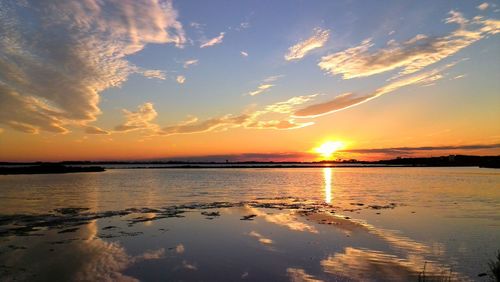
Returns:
(253, 120)
(180, 79)
(95, 130)
(213, 41)
(299, 50)
(459, 76)
(483, 6)
(243, 25)
(140, 119)
(411, 55)
(196, 25)
(260, 89)
(158, 74)
(301, 156)
(189, 63)
(287, 107)
(211, 124)
(410, 150)
(265, 85)
(55, 64)
(348, 100)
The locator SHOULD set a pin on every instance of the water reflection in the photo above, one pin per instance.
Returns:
(327, 175)
(365, 264)
(186, 251)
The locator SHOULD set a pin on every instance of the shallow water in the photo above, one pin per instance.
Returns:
(398, 221)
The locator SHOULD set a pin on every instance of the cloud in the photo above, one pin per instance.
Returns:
(181, 79)
(264, 157)
(189, 63)
(459, 76)
(244, 54)
(483, 6)
(265, 85)
(254, 120)
(411, 55)
(213, 41)
(95, 130)
(196, 25)
(279, 124)
(56, 57)
(140, 119)
(242, 26)
(299, 50)
(348, 100)
(287, 107)
(301, 156)
(28, 114)
(260, 89)
(158, 74)
(205, 126)
(409, 150)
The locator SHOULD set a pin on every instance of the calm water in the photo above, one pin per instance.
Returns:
(398, 221)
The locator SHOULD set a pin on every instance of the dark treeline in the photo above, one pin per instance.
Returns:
(48, 169)
(452, 160)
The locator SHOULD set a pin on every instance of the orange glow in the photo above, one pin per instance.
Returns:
(327, 149)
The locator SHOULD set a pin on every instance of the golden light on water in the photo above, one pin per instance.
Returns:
(327, 149)
(327, 175)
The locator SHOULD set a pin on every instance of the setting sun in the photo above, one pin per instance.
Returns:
(327, 149)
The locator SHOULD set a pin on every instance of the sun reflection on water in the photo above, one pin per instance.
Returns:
(327, 175)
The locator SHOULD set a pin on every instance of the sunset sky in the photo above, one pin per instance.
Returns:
(247, 80)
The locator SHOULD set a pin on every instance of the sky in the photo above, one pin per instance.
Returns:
(247, 80)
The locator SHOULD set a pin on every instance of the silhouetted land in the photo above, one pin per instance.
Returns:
(48, 168)
(454, 160)
(70, 166)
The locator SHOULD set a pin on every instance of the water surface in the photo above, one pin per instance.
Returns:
(310, 223)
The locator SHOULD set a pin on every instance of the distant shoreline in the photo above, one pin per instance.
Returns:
(280, 166)
(48, 169)
(97, 166)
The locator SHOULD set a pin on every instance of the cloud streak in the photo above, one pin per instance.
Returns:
(349, 100)
(411, 55)
(301, 49)
(55, 64)
(403, 150)
(265, 85)
(253, 120)
(189, 63)
(213, 41)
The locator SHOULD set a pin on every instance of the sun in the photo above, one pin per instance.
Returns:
(327, 149)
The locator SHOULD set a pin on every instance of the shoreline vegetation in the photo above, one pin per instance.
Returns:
(98, 166)
(48, 168)
(82, 166)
